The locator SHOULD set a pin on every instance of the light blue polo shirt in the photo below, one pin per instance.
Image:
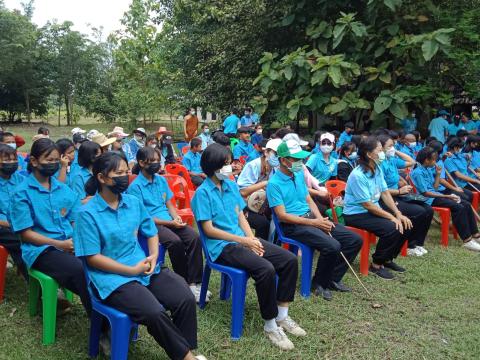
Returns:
(255, 118)
(48, 212)
(453, 129)
(22, 163)
(361, 188)
(344, 137)
(409, 124)
(291, 192)
(153, 194)
(113, 233)
(191, 161)
(245, 149)
(222, 208)
(470, 125)
(437, 128)
(79, 180)
(230, 124)
(250, 174)
(457, 162)
(246, 120)
(7, 189)
(321, 169)
(206, 140)
(475, 162)
(406, 149)
(390, 168)
(423, 178)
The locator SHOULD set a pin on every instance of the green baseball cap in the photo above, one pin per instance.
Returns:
(291, 148)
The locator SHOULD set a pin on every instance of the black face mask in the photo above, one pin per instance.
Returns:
(120, 184)
(48, 169)
(153, 168)
(9, 168)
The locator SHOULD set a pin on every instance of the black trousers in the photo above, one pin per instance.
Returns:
(196, 180)
(67, 270)
(185, 250)
(275, 261)
(11, 242)
(147, 305)
(330, 265)
(462, 216)
(390, 240)
(259, 222)
(466, 195)
(421, 216)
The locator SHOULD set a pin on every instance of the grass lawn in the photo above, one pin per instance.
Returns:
(430, 312)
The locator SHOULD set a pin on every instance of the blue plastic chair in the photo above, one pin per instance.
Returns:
(161, 251)
(233, 281)
(180, 146)
(307, 257)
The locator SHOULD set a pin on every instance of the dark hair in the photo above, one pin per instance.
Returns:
(150, 138)
(7, 150)
(204, 126)
(195, 142)
(316, 136)
(257, 126)
(5, 134)
(357, 139)
(220, 138)
(468, 143)
(43, 130)
(336, 133)
(462, 133)
(416, 134)
(366, 146)
(41, 147)
(105, 163)
(280, 133)
(429, 139)
(383, 139)
(347, 146)
(349, 125)
(393, 134)
(63, 145)
(455, 142)
(425, 154)
(214, 158)
(146, 153)
(379, 132)
(87, 153)
(436, 145)
(456, 119)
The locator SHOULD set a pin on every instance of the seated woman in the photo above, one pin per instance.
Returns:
(67, 155)
(182, 242)
(120, 273)
(322, 165)
(9, 180)
(421, 215)
(87, 153)
(365, 187)
(472, 148)
(42, 212)
(426, 178)
(218, 208)
(347, 160)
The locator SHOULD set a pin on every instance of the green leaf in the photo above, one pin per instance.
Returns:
(335, 74)
(319, 77)
(443, 39)
(335, 108)
(392, 4)
(338, 40)
(288, 73)
(293, 102)
(381, 104)
(359, 29)
(386, 78)
(393, 29)
(307, 101)
(338, 30)
(398, 110)
(429, 48)
(288, 20)
(293, 111)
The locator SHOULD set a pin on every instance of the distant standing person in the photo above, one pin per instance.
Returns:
(190, 124)
(409, 124)
(438, 126)
(205, 137)
(249, 119)
(231, 123)
(43, 131)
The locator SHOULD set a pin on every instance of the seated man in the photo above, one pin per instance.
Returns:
(300, 219)
(191, 161)
(245, 147)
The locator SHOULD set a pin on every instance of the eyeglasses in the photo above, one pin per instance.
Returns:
(326, 142)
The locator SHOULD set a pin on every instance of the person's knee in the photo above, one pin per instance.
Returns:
(175, 243)
(356, 241)
(154, 313)
(291, 260)
(428, 212)
(331, 248)
(267, 271)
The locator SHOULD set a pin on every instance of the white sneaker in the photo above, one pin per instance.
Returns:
(196, 292)
(200, 357)
(199, 287)
(422, 249)
(414, 252)
(472, 245)
(290, 326)
(279, 339)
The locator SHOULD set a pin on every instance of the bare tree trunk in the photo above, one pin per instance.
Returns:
(144, 120)
(68, 109)
(27, 106)
(59, 108)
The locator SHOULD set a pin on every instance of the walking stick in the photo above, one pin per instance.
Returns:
(450, 177)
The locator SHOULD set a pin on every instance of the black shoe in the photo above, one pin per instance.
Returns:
(339, 286)
(391, 265)
(382, 273)
(325, 293)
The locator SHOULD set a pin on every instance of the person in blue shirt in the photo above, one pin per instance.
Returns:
(87, 154)
(137, 142)
(77, 139)
(191, 161)
(231, 124)
(455, 126)
(121, 275)
(365, 187)
(181, 241)
(218, 208)
(407, 145)
(470, 125)
(67, 155)
(301, 220)
(421, 215)
(427, 179)
(245, 147)
(346, 135)
(42, 212)
(472, 148)
(409, 124)
(8, 139)
(347, 160)
(439, 125)
(247, 119)
(9, 180)
(458, 166)
(323, 165)
(205, 136)
(257, 136)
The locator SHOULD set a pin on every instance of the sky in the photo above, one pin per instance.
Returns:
(106, 13)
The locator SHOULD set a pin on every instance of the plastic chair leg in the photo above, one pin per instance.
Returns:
(307, 263)
(225, 287)
(49, 306)
(205, 281)
(94, 337)
(239, 287)
(120, 339)
(403, 252)
(365, 255)
(3, 270)
(445, 227)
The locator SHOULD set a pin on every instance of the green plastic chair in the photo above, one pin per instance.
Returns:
(233, 142)
(49, 287)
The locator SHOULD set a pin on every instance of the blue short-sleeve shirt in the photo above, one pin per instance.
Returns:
(409, 125)
(475, 160)
(363, 187)
(79, 180)
(245, 149)
(230, 124)
(257, 139)
(153, 194)
(321, 169)
(222, 208)
(470, 125)
(344, 137)
(113, 233)
(7, 189)
(437, 128)
(48, 212)
(22, 163)
(424, 178)
(291, 192)
(453, 129)
(191, 161)
(390, 168)
(246, 120)
(206, 140)
(457, 162)
(251, 173)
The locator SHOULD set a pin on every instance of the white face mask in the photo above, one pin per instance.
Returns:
(390, 152)
(326, 149)
(259, 131)
(192, 112)
(224, 173)
(153, 146)
(412, 144)
(13, 145)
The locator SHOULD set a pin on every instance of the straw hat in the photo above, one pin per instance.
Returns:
(102, 140)
(118, 132)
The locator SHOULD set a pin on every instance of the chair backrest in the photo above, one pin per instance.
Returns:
(203, 240)
(181, 145)
(335, 187)
(178, 185)
(243, 159)
(278, 228)
(180, 170)
(233, 142)
(131, 177)
(185, 149)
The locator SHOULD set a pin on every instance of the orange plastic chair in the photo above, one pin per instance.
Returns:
(181, 197)
(180, 170)
(3, 270)
(335, 187)
(243, 159)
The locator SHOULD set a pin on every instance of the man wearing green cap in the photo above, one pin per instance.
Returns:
(300, 219)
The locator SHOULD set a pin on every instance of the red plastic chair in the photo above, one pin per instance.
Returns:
(180, 170)
(131, 177)
(335, 187)
(185, 149)
(181, 197)
(243, 159)
(3, 270)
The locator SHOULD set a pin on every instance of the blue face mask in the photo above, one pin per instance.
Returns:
(273, 161)
(353, 156)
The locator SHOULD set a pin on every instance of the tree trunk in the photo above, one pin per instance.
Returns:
(67, 105)
(27, 106)
(59, 109)
(144, 120)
